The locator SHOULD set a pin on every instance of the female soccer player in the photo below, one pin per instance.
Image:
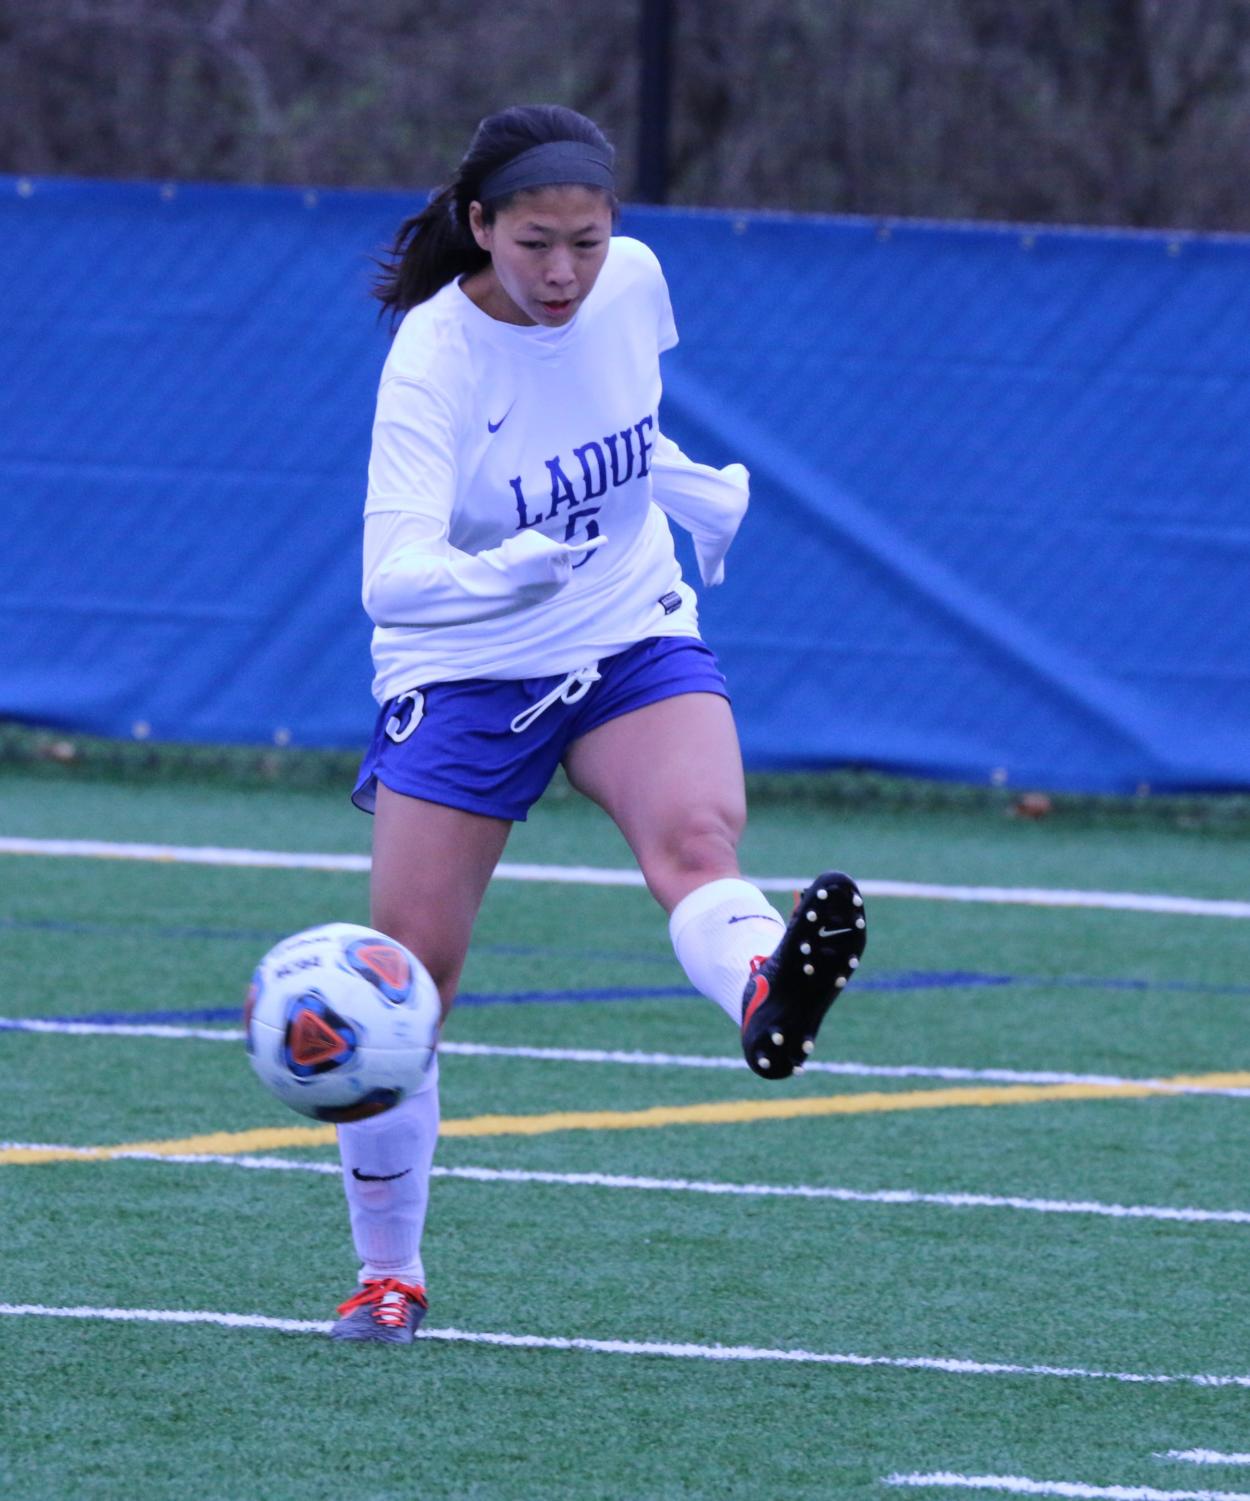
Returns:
(530, 611)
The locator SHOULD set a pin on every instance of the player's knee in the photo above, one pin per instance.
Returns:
(442, 956)
(703, 841)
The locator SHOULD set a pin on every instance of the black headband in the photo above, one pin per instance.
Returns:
(550, 165)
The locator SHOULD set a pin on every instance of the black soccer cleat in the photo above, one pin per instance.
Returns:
(786, 998)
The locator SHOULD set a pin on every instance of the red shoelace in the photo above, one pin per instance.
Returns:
(388, 1295)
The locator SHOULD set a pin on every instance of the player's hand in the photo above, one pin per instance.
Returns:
(538, 564)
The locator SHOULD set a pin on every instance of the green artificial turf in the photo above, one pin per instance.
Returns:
(94, 1408)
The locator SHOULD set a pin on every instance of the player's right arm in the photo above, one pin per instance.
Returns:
(413, 576)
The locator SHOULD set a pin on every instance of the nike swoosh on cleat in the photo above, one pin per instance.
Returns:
(377, 1177)
(832, 932)
(756, 1001)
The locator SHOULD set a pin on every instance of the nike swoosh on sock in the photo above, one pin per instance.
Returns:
(757, 916)
(377, 1177)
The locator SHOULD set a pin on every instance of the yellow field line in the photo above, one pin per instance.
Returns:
(713, 1113)
(215, 1143)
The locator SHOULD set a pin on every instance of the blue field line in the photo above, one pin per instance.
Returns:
(898, 980)
(270, 936)
(136, 930)
(903, 980)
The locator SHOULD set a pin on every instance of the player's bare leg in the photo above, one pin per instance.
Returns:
(431, 867)
(670, 776)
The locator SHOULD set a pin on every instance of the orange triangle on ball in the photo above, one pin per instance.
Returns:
(313, 1040)
(385, 960)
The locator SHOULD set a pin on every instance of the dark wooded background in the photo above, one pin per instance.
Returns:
(1131, 112)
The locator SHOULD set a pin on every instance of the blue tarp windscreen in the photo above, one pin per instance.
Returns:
(1000, 525)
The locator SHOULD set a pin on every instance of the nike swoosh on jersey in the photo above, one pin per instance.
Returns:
(377, 1177)
(493, 427)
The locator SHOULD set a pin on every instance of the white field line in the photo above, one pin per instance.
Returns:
(589, 875)
(1205, 1457)
(903, 1196)
(119, 1029)
(636, 1059)
(745, 1353)
(1018, 1485)
(851, 1069)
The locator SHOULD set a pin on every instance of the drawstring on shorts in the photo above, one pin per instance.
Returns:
(574, 687)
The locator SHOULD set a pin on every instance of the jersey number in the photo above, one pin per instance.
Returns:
(589, 532)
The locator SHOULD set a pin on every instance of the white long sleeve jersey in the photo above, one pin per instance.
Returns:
(486, 431)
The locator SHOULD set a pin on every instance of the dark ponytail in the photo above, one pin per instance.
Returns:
(437, 246)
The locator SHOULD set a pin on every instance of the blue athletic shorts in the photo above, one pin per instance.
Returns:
(454, 743)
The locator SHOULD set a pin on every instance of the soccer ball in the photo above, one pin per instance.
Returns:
(341, 1022)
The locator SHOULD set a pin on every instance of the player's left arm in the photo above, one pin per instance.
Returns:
(709, 503)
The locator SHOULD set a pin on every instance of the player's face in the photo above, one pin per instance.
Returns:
(546, 249)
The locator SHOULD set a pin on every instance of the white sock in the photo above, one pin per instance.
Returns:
(386, 1176)
(717, 930)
